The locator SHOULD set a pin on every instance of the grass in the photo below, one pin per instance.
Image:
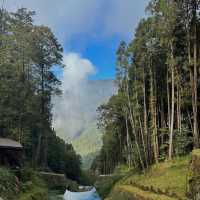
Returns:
(196, 152)
(164, 181)
(105, 184)
(55, 195)
(127, 192)
(123, 170)
(171, 175)
(35, 192)
(32, 187)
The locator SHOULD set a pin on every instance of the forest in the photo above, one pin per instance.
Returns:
(150, 127)
(155, 114)
(28, 53)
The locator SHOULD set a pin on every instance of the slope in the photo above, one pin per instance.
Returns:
(167, 180)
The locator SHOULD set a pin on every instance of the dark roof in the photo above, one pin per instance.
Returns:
(8, 143)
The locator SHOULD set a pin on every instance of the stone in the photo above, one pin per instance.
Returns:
(194, 176)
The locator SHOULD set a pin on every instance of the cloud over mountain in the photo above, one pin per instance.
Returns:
(69, 108)
(76, 108)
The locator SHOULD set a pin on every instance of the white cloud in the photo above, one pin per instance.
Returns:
(65, 17)
(75, 110)
(95, 17)
(76, 71)
(123, 16)
(69, 110)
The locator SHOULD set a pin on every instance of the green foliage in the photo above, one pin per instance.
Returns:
(27, 84)
(32, 186)
(169, 175)
(164, 181)
(90, 140)
(87, 160)
(183, 142)
(88, 144)
(63, 159)
(105, 184)
(55, 195)
(8, 184)
(87, 178)
(154, 115)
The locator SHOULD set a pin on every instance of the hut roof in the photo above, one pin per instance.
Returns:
(8, 143)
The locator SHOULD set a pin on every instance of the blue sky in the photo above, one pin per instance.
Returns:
(90, 28)
(101, 49)
(90, 32)
(101, 52)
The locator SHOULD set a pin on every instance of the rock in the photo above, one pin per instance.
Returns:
(194, 176)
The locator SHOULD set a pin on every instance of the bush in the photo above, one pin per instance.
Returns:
(105, 184)
(8, 184)
(32, 186)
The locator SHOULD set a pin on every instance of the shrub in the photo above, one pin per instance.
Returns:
(8, 184)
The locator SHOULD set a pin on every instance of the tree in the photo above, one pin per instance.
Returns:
(154, 115)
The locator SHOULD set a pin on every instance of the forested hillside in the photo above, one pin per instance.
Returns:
(88, 144)
(154, 115)
(78, 123)
(28, 53)
(135, 137)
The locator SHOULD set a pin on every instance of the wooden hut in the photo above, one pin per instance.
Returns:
(10, 153)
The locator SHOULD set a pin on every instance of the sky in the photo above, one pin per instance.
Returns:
(90, 28)
(90, 32)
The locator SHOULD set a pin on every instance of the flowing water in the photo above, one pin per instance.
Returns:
(89, 195)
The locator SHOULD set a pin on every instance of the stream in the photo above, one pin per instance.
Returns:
(88, 195)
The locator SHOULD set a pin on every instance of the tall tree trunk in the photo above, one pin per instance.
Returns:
(133, 123)
(192, 40)
(194, 89)
(143, 143)
(172, 104)
(42, 133)
(191, 81)
(153, 114)
(178, 110)
(128, 143)
(141, 130)
(168, 102)
(145, 119)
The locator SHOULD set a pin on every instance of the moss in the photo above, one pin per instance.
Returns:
(196, 152)
(194, 176)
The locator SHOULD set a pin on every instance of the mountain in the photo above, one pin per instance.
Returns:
(76, 116)
(88, 144)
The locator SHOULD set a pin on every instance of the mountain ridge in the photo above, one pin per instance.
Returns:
(88, 139)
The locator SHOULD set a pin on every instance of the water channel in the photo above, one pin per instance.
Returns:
(88, 195)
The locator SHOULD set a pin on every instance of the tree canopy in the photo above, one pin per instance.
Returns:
(154, 116)
(28, 53)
